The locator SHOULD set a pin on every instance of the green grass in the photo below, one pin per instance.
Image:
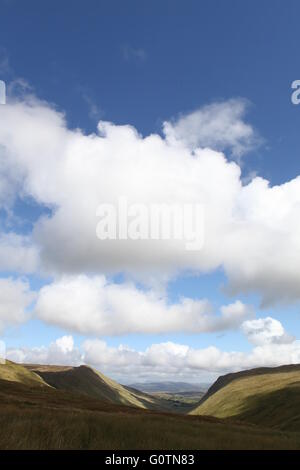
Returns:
(270, 399)
(179, 402)
(90, 382)
(16, 373)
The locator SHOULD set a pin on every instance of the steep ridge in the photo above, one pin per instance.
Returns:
(224, 380)
(12, 372)
(87, 381)
(264, 396)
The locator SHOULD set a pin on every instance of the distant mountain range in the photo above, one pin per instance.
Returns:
(171, 387)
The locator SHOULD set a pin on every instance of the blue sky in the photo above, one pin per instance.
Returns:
(195, 52)
(144, 63)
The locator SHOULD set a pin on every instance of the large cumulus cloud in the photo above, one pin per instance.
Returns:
(95, 306)
(251, 231)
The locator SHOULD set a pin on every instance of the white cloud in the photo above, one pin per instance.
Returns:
(252, 231)
(65, 344)
(92, 305)
(17, 253)
(263, 249)
(15, 297)
(162, 361)
(59, 352)
(219, 126)
(266, 331)
(234, 314)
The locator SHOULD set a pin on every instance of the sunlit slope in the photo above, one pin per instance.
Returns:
(87, 381)
(269, 397)
(11, 372)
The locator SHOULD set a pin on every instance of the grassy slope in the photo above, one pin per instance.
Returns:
(46, 418)
(16, 373)
(268, 397)
(87, 381)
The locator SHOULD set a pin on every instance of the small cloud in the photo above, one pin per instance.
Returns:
(94, 110)
(220, 126)
(132, 53)
(19, 87)
(266, 331)
(5, 68)
(16, 87)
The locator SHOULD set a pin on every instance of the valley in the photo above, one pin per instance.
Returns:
(55, 407)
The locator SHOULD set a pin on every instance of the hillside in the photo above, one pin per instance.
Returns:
(265, 396)
(87, 381)
(13, 372)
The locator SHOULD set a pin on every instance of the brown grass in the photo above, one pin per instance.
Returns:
(35, 418)
(43, 429)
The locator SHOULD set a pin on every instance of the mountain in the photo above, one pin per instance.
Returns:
(86, 381)
(263, 396)
(13, 372)
(172, 387)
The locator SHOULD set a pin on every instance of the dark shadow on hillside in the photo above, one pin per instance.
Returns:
(81, 380)
(279, 409)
